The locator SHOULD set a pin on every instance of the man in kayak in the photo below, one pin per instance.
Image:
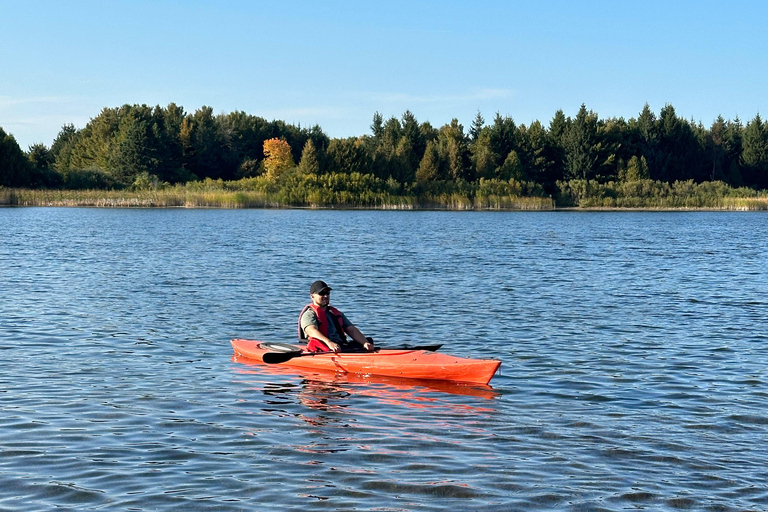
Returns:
(325, 327)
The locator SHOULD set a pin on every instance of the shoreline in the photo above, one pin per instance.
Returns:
(592, 209)
(221, 198)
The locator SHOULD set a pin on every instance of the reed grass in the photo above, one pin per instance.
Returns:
(649, 194)
(368, 192)
(746, 203)
(176, 197)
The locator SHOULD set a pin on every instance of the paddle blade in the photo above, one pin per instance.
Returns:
(278, 357)
(431, 348)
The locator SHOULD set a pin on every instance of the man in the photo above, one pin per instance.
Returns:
(325, 327)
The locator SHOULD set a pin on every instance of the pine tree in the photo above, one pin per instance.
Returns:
(558, 127)
(503, 136)
(733, 144)
(512, 168)
(309, 163)
(483, 159)
(716, 148)
(455, 151)
(429, 168)
(636, 170)
(580, 143)
(477, 127)
(377, 126)
(14, 166)
(754, 155)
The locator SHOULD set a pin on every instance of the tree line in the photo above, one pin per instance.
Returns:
(140, 146)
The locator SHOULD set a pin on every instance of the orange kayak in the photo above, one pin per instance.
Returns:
(412, 364)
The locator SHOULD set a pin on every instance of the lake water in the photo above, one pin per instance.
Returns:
(634, 348)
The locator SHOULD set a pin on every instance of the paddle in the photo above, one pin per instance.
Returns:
(431, 348)
(281, 357)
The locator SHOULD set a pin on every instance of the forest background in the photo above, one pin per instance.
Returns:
(139, 155)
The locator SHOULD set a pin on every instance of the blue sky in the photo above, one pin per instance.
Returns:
(335, 63)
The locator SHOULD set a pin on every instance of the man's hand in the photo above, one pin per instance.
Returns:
(368, 346)
(333, 346)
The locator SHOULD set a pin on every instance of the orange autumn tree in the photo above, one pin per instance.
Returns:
(278, 158)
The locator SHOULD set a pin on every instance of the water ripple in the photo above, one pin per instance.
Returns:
(633, 349)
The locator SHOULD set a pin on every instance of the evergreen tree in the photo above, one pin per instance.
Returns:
(309, 163)
(456, 168)
(42, 173)
(716, 149)
(502, 136)
(483, 159)
(669, 128)
(534, 145)
(407, 161)
(558, 127)
(429, 168)
(754, 156)
(649, 140)
(636, 170)
(377, 126)
(40, 157)
(164, 144)
(512, 168)
(15, 169)
(93, 143)
(454, 147)
(580, 142)
(607, 149)
(61, 149)
(348, 156)
(391, 134)
(173, 116)
(682, 153)
(385, 163)
(131, 153)
(321, 141)
(646, 122)
(204, 147)
(477, 127)
(428, 133)
(733, 145)
(412, 132)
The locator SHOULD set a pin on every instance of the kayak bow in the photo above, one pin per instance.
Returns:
(408, 363)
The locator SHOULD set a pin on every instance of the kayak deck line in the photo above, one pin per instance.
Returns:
(414, 364)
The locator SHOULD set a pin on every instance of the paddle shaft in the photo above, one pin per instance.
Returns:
(281, 357)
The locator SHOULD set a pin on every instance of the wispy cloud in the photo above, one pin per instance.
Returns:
(319, 111)
(32, 119)
(482, 94)
(14, 101)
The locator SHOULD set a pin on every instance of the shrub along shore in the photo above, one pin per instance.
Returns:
(356, 191)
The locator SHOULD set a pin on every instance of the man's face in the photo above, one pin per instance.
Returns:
(322, 299)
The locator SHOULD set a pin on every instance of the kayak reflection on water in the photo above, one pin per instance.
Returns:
(324, 397)
(329, 403)
(420, 391)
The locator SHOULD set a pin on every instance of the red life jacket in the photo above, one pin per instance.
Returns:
(314, 344)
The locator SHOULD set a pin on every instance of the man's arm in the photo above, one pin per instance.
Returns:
(359, 337)
(314, 332)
